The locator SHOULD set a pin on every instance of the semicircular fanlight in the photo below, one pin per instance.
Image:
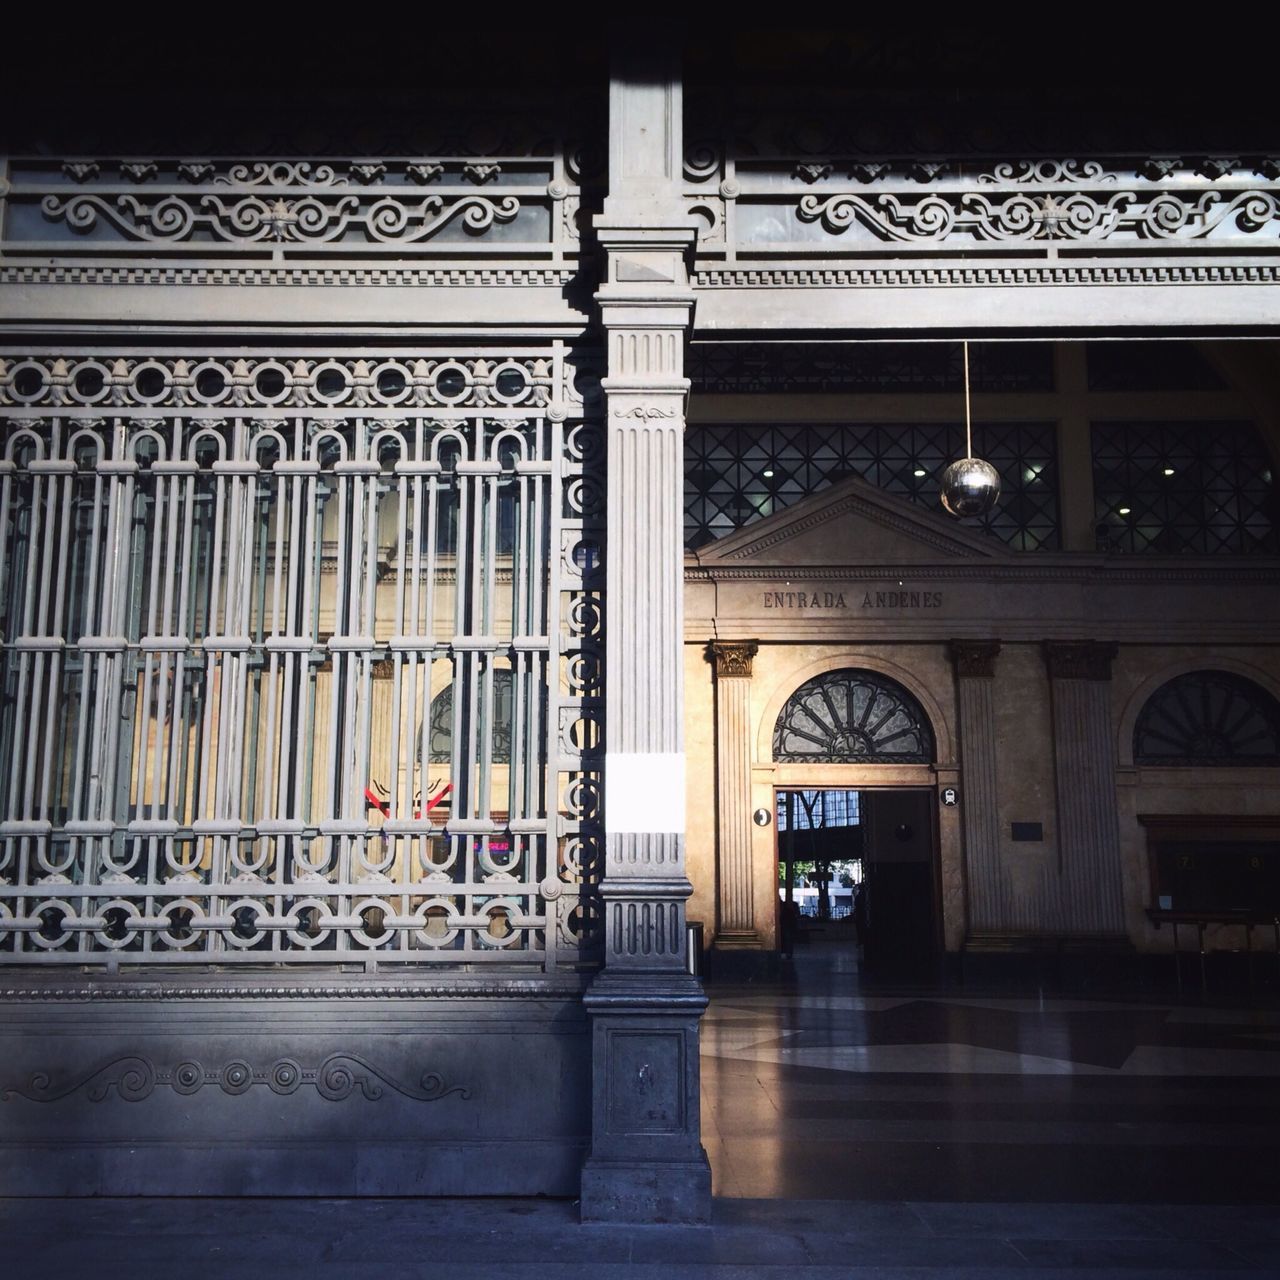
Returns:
(1208, 718)
(853, 716)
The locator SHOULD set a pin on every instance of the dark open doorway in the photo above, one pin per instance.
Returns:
(857, 874)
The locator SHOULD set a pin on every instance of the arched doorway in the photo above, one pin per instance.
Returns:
(858, 849)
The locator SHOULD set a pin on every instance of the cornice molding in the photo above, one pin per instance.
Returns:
(134, 991)
(828, 275)
(169, 274)
(1092, 571)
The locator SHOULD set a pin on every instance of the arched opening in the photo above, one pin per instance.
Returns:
(856, 838)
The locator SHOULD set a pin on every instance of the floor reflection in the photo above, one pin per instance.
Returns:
(815, 1088)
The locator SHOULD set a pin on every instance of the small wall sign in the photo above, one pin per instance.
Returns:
(761, 817)
(949, 796)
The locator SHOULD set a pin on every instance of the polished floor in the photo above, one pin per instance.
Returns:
(821, 1087)
(853, 1131)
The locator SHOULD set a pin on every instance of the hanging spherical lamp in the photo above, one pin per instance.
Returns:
(970, 487)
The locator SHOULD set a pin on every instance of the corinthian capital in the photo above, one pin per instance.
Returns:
(733, 657)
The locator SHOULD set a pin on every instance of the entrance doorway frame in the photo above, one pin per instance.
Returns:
(935, 834)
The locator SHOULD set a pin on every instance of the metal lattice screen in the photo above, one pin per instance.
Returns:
(1176, 488)
(737, 474)
(232, 591)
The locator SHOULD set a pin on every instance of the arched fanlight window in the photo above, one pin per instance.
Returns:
(852, 716)
(1209, 718)
(441, 740)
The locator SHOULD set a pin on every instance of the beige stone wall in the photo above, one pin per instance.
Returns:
(1139, 671)
(1025, 768)
(779, 669)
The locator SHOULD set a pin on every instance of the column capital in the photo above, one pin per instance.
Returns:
(974, 657)
(732, 658)
(1079, 659)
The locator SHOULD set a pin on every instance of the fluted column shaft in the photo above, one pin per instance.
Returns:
(1090, 887)
(736, 914)
(987, 885)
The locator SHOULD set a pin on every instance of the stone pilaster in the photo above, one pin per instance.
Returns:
(647, 1163)
(987, 885)
(736, 926)
(1090, 889)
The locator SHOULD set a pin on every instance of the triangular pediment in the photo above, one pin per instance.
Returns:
(853, 522)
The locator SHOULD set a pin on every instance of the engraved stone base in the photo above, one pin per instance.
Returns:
(647, 1163)
(309, 1095)
(618, 1191)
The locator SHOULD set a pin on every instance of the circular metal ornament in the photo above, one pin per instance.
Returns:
(970, 487)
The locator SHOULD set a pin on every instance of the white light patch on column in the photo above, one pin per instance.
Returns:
(644, 791)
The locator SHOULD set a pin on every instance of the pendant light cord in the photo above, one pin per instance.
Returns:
(968, 418)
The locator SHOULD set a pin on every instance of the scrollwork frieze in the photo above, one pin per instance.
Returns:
(312, 219)
(134, 1078)
(1023, 216)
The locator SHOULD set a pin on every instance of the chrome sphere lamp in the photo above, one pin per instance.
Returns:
(970, 487)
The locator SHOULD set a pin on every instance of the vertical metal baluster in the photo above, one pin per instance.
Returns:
(553, 605)
(211, 745)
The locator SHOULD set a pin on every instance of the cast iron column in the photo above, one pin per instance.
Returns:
(647, 1163)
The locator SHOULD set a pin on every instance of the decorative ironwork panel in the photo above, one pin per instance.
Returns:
(889, 367)
(735, 475)
(753, 200)
(1149, 366)
(298, 207)
(852, 716)
(1208, 718)
(232, 591)
(1200, 488)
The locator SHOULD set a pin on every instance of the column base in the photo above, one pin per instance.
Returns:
(646, 1192)
(737, 940)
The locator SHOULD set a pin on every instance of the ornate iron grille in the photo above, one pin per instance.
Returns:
(1208, 718)
(242, 209)
(869, 367)
(757, 198)
(1202, 488)
(853, 716)
(231, 589)
(735, 475)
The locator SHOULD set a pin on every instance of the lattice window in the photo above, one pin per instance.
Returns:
(1203, 488)
(1208, 718)
(852, 716)
(737, 474)
(869, 367)
(229, 592)
(820, 810)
